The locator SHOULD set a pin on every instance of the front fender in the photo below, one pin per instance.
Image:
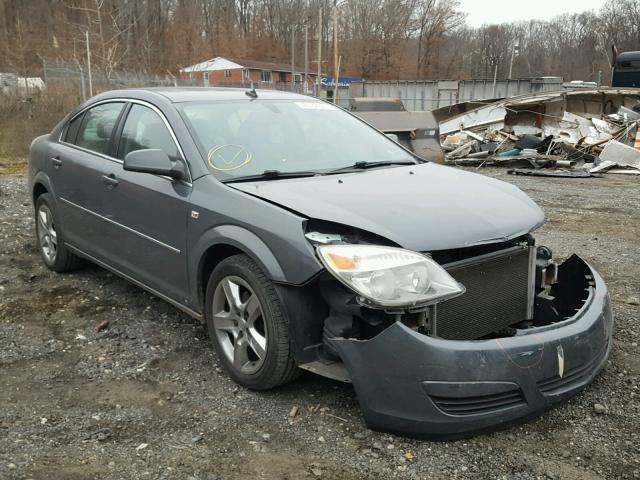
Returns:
(240, 238)
(244, 240)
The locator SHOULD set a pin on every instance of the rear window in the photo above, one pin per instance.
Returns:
(72, 129)
(97, 126)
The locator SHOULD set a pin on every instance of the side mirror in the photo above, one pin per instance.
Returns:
(154, 161)
(393, 137)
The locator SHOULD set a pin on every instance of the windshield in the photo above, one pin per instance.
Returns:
(248, 137)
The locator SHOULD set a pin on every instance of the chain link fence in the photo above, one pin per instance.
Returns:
(76, 74)
(33, 105)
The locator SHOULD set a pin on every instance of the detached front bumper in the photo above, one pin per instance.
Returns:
(414, 384)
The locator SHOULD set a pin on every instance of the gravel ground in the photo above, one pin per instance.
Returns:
(145, 397)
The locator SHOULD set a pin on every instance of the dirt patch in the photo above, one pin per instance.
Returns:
(146, 398)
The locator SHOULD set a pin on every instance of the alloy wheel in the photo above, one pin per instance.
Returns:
(239, 324)
(47, 235)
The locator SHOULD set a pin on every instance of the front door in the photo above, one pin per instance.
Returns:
(148, 213)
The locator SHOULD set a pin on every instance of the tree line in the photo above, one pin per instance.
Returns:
(377, 39)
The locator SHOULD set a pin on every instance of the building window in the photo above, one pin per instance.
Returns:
(266, 76)
(247, 74)
(227, 74)
(206, 76)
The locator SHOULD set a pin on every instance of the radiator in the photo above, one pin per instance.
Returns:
(499, 293)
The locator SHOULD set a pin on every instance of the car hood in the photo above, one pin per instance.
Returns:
(420, 207)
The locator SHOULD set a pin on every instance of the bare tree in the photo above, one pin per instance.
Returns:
(381, 39)
(433, 20)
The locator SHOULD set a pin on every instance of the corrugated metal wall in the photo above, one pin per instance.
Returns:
(432, 94)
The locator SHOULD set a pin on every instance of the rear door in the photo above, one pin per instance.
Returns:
(148, 212)
(76, 167)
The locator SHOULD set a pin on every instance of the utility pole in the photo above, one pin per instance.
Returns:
(495, 77)
(337, 76)
(82, 86)
(44, 68)
(614, 60)
(319, 52)
(335, 52)
(293, 60)
(514, 50)
(86, 34)
(306, 55)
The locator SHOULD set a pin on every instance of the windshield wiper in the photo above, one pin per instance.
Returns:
(271, 175)
(368, 165)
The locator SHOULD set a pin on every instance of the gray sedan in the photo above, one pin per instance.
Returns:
(306, 239)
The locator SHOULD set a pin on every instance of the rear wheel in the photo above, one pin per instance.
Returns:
(247, 325)
(53, 251)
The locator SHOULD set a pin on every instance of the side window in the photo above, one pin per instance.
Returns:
(72, 129)
(144, 129)
(97, 125)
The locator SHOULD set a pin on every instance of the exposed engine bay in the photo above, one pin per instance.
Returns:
(512, 288)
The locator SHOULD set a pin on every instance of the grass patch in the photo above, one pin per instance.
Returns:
(13, 167)
(23, 119)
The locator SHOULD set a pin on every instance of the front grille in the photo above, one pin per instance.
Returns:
(571, 378)
(479, 404)
(497, 295)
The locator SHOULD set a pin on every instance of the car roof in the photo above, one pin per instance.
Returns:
(198, 94)
(629, 55)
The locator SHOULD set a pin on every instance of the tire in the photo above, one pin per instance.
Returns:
(251, 337)
(54, 252)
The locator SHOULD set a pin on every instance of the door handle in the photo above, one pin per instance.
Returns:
(57, 163)
(110, 180)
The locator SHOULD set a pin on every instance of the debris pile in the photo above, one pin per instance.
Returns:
(564, 134)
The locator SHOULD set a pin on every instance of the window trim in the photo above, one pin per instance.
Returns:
(123, 124)
(117, 129)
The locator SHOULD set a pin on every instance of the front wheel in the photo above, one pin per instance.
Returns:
(248, 325)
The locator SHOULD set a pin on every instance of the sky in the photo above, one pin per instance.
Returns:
(499, 11)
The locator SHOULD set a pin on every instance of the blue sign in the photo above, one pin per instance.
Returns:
(342, 81)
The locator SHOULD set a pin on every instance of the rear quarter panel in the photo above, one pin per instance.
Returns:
(37, 163)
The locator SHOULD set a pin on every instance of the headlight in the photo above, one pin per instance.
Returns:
(389, 277)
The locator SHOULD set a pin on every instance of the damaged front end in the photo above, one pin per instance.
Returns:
(525, 334)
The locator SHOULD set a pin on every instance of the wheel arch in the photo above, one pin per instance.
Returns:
(227, 240)
(38, 189)
(39, 185)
